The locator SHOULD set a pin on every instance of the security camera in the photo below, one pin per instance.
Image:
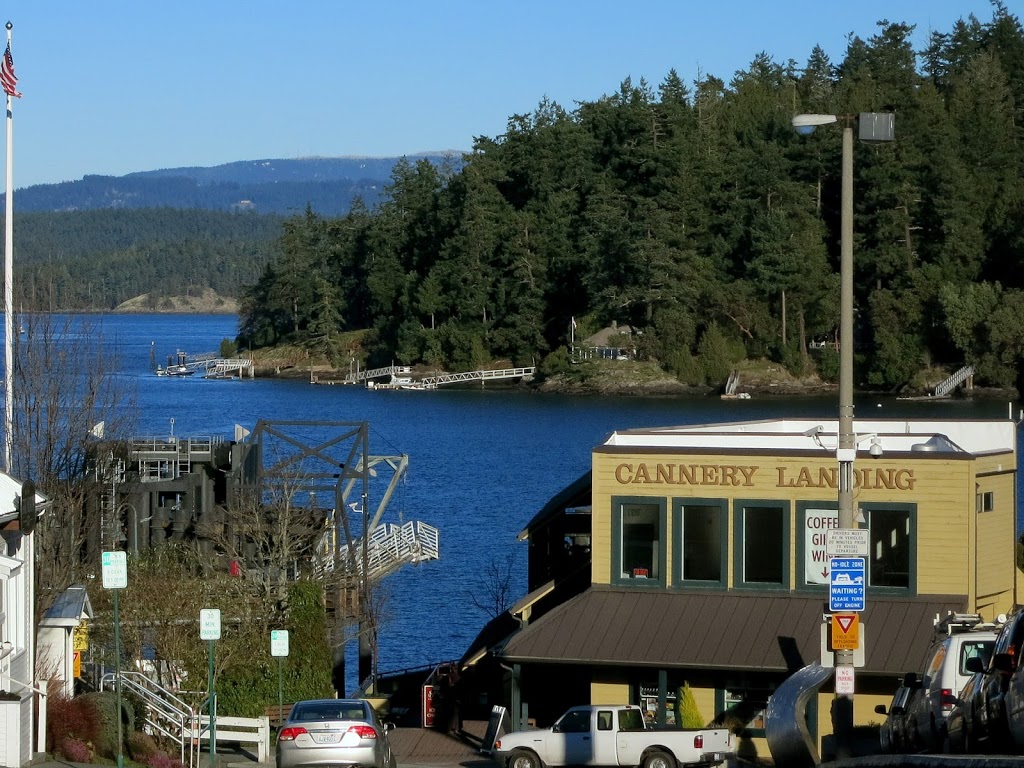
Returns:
(876, 448)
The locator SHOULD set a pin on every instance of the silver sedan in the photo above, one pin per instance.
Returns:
(334, 732)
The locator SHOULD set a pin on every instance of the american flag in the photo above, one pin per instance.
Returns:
(7, 76)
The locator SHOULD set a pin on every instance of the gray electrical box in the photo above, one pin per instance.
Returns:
(876, 126)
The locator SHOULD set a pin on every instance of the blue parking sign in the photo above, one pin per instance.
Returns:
(846, 584)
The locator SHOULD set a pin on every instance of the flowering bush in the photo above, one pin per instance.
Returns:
(75, 751)
(162, 760)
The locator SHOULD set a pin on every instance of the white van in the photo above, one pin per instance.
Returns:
(959, 637)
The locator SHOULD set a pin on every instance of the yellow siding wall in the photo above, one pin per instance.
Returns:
(609, 693)
(994, 559)
(943, 492)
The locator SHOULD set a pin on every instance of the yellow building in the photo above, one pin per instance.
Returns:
(708, 563)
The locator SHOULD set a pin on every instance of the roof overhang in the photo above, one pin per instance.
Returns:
(723, 630)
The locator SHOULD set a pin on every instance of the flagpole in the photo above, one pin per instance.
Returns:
(9, 284)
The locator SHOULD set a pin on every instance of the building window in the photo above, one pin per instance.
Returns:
(639, 550)
(892, 549)
(742, 709)
(986, 502)
(700, 541)
(762, 544)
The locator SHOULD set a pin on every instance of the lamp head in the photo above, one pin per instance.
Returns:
(805, 124)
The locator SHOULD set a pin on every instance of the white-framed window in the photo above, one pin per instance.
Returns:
(985, 501)
(12, 588)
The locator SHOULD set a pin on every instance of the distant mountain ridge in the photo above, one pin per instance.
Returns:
(282, 186)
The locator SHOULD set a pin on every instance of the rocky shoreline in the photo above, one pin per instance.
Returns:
(624, 380)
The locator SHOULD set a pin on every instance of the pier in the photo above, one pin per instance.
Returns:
(398, 377)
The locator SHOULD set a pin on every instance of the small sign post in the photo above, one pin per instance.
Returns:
(209, 629)
(844, 681)
(114, 569)
(279, 648)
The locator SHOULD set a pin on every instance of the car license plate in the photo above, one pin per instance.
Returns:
(326, 738)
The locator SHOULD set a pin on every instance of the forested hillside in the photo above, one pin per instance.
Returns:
(328, 185)
(99, 259)
(700, 218)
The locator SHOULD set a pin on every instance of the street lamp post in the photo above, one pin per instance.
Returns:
(874, 127)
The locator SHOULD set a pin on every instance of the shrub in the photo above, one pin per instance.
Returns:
(555, 363)
(228, 348)
(71, 720)
(105, 705)
(141, 746)
(75, 750)
(828, 364)
(162, 760)
(687, 713)
(716, 356)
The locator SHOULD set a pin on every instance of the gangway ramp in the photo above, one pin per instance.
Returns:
(389, 371)
(432, 382)
(389, 547)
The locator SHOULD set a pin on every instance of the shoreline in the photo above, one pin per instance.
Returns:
(647, 385)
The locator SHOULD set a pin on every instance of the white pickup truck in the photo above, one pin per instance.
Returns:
(612, 735)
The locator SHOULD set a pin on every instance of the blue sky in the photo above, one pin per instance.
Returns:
(115, 86)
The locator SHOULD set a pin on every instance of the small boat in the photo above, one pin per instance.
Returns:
(174, 370)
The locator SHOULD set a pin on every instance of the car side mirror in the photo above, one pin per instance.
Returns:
(555, 728)
(974, 664)
(910, 680)
(880, 709)
(1003, 662)
(389, 726)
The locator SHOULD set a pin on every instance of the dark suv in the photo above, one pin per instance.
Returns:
(991, 696)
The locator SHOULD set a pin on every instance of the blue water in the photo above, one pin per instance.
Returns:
(481, 462)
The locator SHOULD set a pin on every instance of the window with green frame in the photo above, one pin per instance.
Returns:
(638, 542)
(892, 553)
(762, 543)
(701, 532)
(892, 547)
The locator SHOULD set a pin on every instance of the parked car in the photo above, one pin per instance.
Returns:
(334, 732)
(892, 735)
(997, 674)
(964, 727)
(612, 736)
(960, 637)
(1013, 699)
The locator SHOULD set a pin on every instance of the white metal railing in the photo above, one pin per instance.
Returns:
(954, 381)
(166, 714)
(430, 382)
(375, 373)
(216, 367)
(733, 383)
(388, 548)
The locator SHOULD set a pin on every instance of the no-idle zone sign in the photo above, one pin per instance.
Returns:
(845, 631)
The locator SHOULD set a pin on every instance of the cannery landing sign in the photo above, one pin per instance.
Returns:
(748, 476)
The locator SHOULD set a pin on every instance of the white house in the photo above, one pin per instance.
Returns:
(17, 643)
(60, 629)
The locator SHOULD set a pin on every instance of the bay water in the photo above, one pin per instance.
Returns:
(482, 461)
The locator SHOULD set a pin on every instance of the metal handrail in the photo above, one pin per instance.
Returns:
(166, 713)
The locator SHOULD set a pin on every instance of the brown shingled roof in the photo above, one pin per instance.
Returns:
(721, 630)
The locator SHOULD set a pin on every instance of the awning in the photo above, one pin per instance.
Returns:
(720, 630)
